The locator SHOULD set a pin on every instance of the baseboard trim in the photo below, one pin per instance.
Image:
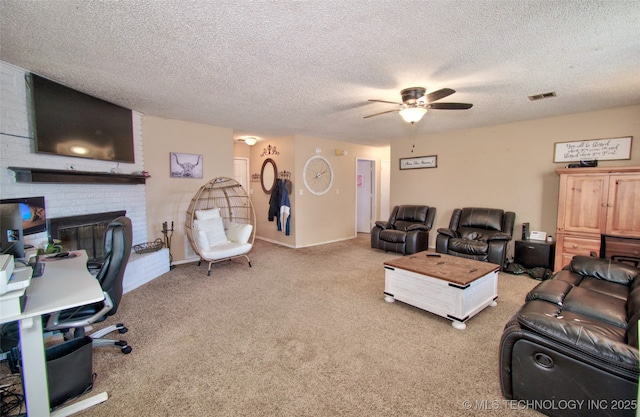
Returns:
(305, 246)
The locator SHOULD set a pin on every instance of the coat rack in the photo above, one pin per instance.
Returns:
(269, 150)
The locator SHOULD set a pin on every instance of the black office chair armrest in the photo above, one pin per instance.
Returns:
(56, 323)
(383, 224)
(448, 232)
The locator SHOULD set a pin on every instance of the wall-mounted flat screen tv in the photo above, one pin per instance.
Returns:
(68, 122)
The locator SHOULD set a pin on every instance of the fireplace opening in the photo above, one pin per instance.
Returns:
(83, 232)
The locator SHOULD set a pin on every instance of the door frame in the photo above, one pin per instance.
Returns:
(374, 192)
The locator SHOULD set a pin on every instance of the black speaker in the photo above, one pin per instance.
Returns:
(525, 231)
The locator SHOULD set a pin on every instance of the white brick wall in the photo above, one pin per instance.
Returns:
(17, 149)
(143, 268)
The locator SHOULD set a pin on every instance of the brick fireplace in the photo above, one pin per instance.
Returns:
(83, 232)
(86, 232)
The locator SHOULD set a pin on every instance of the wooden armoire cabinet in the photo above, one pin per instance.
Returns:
(593, 201)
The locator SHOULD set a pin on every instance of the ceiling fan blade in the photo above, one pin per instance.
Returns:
(384, 101)
(440, 94)
(449, 106)
(384, 112)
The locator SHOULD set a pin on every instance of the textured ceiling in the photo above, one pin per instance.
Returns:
(274, 68)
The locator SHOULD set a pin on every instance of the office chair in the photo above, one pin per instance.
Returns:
(620, 248)
(117, 248)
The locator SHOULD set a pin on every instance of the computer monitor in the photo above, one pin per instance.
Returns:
(11, 237)
(33, 212)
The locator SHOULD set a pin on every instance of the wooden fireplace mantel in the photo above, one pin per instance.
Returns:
(45, 175)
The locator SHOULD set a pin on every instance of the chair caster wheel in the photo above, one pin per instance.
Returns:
(123, 330)
(124, 347)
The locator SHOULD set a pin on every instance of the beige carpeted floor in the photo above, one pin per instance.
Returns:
(304, 332)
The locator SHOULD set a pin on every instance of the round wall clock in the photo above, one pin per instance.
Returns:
(318, 175)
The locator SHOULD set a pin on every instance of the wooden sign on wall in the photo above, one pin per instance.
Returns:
(598, 149)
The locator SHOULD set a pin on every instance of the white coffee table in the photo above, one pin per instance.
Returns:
(451, 287)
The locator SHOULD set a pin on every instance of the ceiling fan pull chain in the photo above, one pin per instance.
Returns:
(412, 137)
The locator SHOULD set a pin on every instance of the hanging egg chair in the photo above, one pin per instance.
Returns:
(221, 222)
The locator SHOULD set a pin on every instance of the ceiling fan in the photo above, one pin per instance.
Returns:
(415, 103)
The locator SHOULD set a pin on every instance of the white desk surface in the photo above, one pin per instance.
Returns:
(65, 283)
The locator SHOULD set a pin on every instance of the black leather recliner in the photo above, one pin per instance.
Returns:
(575, 341)
(477, 233)
(406, 231)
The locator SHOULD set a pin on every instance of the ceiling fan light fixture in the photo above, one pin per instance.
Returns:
(413, 114)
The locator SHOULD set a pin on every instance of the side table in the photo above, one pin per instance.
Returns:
(535, 253)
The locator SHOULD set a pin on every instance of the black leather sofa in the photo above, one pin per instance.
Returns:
(406, 231)
(572, 348)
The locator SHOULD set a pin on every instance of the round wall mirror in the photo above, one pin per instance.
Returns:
(268, 175)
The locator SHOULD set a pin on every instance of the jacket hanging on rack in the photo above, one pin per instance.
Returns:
(285, 208)
(274, 202)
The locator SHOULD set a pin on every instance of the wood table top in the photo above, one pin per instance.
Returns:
(449, 268)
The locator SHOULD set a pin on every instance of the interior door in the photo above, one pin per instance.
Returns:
(241, 172)
(365, 193)
(385, 190)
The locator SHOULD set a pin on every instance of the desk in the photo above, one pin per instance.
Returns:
(66, 283)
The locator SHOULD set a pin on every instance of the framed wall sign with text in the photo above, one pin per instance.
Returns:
(597, 149)
(419, 162)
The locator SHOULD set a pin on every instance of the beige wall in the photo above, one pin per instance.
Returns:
(284, 161)
(241, 150)
(508, 166)
(332, 216)
(315, 219)
(168, 198)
